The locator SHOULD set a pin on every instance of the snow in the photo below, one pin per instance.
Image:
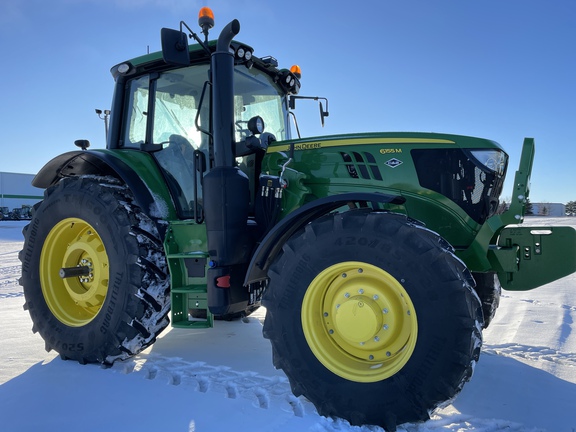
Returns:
(222, 379)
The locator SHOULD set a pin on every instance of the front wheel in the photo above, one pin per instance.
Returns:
(94, 272)
(489, 290)
(372, 318)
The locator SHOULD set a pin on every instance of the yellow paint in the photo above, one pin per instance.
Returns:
(74, 301)
(360, 141)
(359, 321)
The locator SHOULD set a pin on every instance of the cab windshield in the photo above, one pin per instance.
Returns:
(177, 108)
(257, 95)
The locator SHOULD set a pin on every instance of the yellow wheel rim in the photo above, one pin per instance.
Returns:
(74, 301)
(359, 321)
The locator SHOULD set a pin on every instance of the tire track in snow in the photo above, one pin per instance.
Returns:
(531, 353)
(9, 271)
(265, 392)
(466, 423)
(11, 295)
(9, 286)
(568, 312)
(566, 328)
(274, 393)
(10, 266)
(541, 303)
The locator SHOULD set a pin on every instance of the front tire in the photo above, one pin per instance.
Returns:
(489, 290)
(119, 305)
(372, 318)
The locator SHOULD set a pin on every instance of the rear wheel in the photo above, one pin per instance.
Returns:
(372, 318)
(94, 272)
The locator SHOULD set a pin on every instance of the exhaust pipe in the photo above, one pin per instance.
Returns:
(226, 188)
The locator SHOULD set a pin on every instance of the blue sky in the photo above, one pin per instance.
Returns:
(498, 69)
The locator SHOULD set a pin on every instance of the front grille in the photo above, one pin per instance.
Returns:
(456, 175)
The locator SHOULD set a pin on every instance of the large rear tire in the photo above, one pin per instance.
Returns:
(120, 304)
(372, 318)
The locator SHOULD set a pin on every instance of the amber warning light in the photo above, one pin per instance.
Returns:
(296, 71)
(206, 20)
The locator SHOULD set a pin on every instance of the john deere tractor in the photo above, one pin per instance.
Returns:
(379, 256)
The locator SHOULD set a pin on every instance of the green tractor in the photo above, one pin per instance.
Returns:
(379, 256)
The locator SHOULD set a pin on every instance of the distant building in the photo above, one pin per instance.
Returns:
(548, 209)
(16, 190)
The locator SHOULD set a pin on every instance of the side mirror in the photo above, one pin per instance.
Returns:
(175, 47)
(323, 111)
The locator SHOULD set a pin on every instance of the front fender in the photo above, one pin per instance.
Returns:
(272, 244)
(136, 169)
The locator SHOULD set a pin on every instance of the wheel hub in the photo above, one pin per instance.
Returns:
(359, 321)
(74, 300)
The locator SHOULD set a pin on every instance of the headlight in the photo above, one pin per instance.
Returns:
(494, 160)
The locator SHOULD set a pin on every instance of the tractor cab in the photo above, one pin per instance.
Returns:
(168, 113)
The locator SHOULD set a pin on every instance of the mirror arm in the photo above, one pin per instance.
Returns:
(295, 122)
(194, 36)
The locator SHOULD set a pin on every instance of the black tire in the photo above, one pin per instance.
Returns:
(122, 305)
(421, 275)
(489, 290)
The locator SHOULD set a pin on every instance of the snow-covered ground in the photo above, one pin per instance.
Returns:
(222, 379)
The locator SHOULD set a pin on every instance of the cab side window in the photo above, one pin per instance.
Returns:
(134, 122)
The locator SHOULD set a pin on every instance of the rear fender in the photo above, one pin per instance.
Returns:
(136, 169)
(529, 257)
(272, 244)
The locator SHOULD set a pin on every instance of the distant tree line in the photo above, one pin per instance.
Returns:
(570, 208)
(529, 209)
